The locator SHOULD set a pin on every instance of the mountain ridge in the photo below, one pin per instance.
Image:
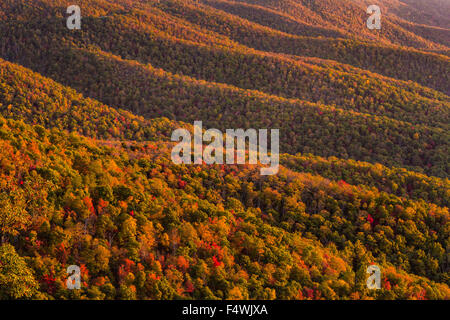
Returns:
(86, 177)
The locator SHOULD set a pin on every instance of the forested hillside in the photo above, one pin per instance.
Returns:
(86, 177)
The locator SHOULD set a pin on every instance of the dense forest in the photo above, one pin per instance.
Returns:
(86, 176)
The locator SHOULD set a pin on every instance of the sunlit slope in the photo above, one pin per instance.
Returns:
(86, 175)
(305, 127)
(323, 110)
(390, 60)
(431, 13)
(298, 235)
(348, 16)
(67, 110)
(27, 96)
(145, 24)
(283, 76)
(396, 181)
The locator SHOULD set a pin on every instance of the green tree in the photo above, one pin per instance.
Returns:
(13, 216)
(16, 278)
